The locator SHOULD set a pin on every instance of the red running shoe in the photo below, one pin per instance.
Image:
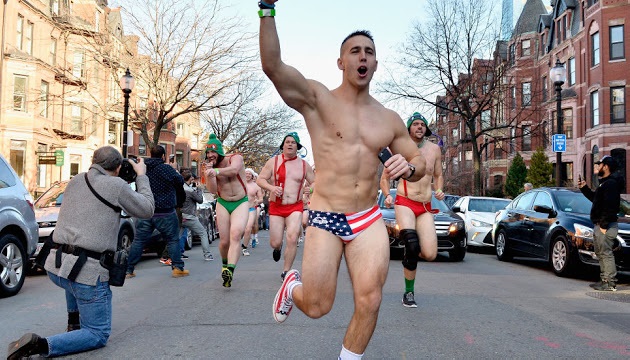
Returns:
(283, 303)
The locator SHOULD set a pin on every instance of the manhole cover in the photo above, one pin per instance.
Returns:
(621, 296)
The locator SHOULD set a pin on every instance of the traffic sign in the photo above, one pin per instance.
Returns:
(59, 157)
(559, 142)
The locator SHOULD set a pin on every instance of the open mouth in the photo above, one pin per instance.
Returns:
(362, 70)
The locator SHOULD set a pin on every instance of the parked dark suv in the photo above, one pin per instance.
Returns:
(553, 224)
(18, 230)
(451, 234)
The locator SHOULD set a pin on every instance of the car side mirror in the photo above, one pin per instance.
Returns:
(457, 209)
(545, 210)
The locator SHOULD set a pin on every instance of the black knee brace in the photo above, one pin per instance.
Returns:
(412, 248)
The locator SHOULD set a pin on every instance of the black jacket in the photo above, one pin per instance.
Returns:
(606, 200)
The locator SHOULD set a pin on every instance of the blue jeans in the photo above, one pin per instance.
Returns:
(182, 239)
(94, 303)
(168, 226)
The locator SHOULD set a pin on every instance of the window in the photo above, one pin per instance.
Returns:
(41, 169)
(43, 99)
(527, 94)
(592, 2)
(567, 123)
(498, 150)
(53, 51)
(76, 126)
(525, 201)
(595, 49)
(616, 42)
(112, 135)
(545, 134)
(543, 199)
(97, 21)
(17, 157)
(618, 105)
(28, 38)
(527, 138)
(180, 129)
(19, 92)
(526, 48)
(485, 119)
(78, 64)
(54, 7)
(545, 91)
(484, 89)
(512, 54)
(75, 164)
(142, 147)
(19, 32)
(571, 71)
(498, 180)
(513, 97)
(512, 140)
(595, 108)
(94, 119)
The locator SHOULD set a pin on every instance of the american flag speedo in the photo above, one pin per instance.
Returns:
(346, 226)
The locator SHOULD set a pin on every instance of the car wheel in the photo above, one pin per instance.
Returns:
(457, 254)
(12, 265)
(189, 241)
(501, 247)
(125, 237)
(562, 262)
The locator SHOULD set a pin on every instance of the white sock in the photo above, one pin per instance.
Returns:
(349, 355)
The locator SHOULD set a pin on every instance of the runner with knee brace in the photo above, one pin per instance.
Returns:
(413, 206)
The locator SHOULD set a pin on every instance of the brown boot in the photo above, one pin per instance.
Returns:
(24, 347)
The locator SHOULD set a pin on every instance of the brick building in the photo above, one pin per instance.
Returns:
(59, 94)
(588, 37)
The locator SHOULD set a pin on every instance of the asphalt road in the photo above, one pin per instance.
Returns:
(477, 309)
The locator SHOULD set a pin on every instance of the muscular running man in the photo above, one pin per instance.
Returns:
(255, 196)
(224, 177)
(348, 128)
(284, 176)
(413, 206)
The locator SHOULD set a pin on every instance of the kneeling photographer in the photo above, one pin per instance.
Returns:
(82, 235)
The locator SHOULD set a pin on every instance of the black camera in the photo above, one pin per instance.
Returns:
(127, 172)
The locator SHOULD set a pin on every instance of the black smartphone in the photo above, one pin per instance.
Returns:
(384, 155)
(580, 177)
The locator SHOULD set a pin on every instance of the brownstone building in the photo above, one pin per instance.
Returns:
(589, 38)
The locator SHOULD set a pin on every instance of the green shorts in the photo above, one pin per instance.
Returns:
(230, 206)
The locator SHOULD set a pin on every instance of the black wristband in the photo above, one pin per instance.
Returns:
(263, 5)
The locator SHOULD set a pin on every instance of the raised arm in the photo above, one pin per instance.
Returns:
(236, 164)
(293, 87)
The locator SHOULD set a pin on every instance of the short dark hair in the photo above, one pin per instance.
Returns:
(187, 174)
(365, 33)
(108, 157)
(157, 151)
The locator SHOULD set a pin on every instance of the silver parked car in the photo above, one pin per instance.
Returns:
(478, 214)
(18, 230)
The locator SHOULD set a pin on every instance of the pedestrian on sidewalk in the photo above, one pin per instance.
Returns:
(190, 221)
(606, 199)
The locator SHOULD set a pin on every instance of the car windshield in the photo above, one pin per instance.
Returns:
(52, 197)
(435, 203)
(624, 209)
(572, 202)
(487, 205)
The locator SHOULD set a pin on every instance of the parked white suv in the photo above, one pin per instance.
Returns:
(18, 230)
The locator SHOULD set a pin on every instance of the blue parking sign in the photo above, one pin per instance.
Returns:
(559, 142)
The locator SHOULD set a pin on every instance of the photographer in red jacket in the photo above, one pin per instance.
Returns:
(606, 199)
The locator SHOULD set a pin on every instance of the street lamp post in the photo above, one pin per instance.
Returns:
(127, 83)
(558, 75)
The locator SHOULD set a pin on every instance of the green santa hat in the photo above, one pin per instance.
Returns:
(418, 116)
(295, 136)
(215, 145)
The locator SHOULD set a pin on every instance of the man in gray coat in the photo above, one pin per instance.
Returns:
(85, 226)
(194, 196)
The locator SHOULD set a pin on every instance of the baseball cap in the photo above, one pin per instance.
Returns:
(609, 161)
